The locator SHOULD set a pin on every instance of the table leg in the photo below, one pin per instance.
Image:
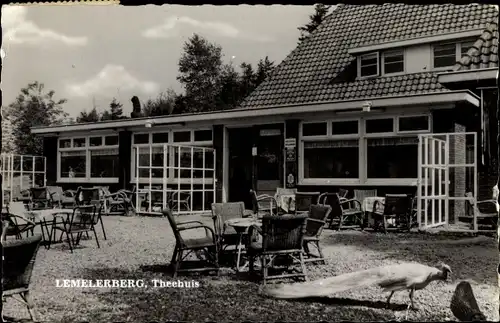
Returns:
(238, 259)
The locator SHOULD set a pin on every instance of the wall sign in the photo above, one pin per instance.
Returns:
(290, 155)
(290, 143)
(290, 180)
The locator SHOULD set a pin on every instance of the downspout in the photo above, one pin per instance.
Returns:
(495, 188)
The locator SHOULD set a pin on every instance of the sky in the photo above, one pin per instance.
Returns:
(91, 53)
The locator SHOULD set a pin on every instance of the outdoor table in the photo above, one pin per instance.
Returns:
(241, 226)
(45, 217)
(286, 202)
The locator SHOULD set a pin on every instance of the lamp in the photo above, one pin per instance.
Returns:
(367, 106)
(149, 124)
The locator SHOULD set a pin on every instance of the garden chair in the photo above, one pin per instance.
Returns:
(60, 198)
(154, 195)
(281, 193)
(303, 201)
(39, 198)
(180, 201)
(14, 214)
(92, 196)
(343, 193)
(184, 247)
(486, 211)
(118, 203)
(221, 212)
(18, 260)
(263, 204)
(396, 207)
(281, 236)
(81, 220)
(318, 214)
(343, 211)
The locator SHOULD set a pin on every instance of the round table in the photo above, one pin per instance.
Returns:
(241, 226)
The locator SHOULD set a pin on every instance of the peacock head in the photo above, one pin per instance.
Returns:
(445, 271)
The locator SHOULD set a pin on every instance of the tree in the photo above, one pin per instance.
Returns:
(115, 111)
(229, 95)
(33, 107)
(91, 116)
(264, 70)
(163, 104)
(320, 12)
(200, 69)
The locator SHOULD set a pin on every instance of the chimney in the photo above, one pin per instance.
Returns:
(136, 107)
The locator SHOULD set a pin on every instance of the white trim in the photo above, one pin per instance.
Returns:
(416, 41)
(225, 165)
(368, 56)
(469, 75)
(222, 117)
(382, 64)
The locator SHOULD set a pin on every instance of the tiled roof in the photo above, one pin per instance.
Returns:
(484, 52)
(313, 72)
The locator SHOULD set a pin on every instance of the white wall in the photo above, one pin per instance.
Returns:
(418, 59)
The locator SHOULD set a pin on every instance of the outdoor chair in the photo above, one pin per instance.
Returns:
(397, 207)
(152, 195)
(14, 214)
(282, 236)
(92, 196)
(60, 198)
(263, 204)
(39, 198)
(77, 222)
(318, 214)
(221, 212)
(18, 260)
(184, 247)
(344, 211)
(486, 211)
(180, 201)
(343, 193)
(118, 203)
(360, 195)
(303, 201)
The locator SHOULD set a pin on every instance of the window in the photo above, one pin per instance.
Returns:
(345, 127)
(86, 158)
(414, 123)
(465, 46)
(203, 135)
(142, 138)
(446, 55)
(161, 137)
(182, 136)
(368, 65)
(314, 129)
(379, 125)
(331, 159)
(394, 62)
(392, 157)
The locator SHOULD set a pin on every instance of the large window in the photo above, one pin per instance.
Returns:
(192, 163)
(89, 158)
(368, 151)
(446, 55)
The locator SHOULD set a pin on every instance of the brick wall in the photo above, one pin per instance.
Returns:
(457, 188)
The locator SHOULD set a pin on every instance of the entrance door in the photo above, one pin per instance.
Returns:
(269, 159)
(240, 142)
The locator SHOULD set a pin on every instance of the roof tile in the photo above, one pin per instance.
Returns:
(312, 71)
(484, 52)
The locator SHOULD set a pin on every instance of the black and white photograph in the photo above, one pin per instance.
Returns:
(250, 162)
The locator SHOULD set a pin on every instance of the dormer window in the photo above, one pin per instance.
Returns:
(393, 62)
(446, 55)
(368, 65)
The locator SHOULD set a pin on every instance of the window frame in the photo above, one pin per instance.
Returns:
(87, 149)
(362, 138)
(171, 155)
(364, 56)
(429, 124)
(382, 63)
(458, 52)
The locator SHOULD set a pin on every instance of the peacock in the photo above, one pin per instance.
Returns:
(392, 278)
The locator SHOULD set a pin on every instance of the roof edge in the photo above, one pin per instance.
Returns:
(468, 75)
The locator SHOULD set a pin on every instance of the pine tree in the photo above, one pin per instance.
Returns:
(320, 12)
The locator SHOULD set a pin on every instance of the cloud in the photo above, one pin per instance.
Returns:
(111, 78)
(170, 28)
(19, 30)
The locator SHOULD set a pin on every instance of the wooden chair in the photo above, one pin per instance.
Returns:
(281, 236)
(263, 204)
(486, 212)
(343, 193)
(184, 247)
(118, 203)
(304, 200)
(92, 196)
(221, 212)
(81, 220)
(14, 214)
(180, 201)
(340, 214)
(318, 214)
(18, 260)
(397, 207)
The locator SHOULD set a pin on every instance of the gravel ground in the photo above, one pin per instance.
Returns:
(140, 248)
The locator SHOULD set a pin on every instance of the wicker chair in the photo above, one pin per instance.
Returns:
(184, 247)
(303, 200)
(281, 236)
(397, 207)
(18, 223)
(221, 212)
(263, 204)
(60, 198)
(18, 260)
(180, 201)
(318, 214)
(81, 220)
(118, 203)
(340, 214)
(39, 198)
